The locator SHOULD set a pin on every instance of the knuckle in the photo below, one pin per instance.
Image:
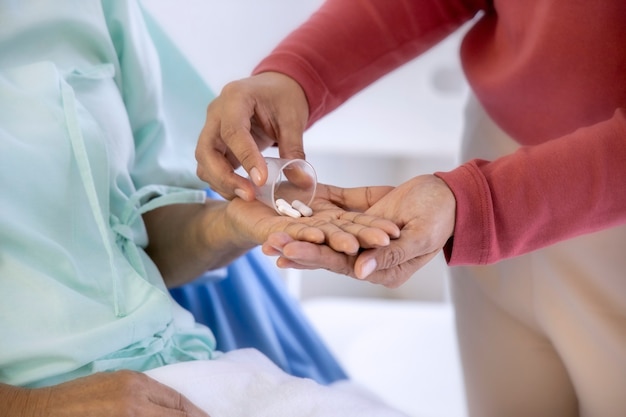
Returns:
(347, 264)
(229, 131)
(231, 88)
(393, 256)
(247, 155)
(200, 172)
(131, 381)
(343, 267)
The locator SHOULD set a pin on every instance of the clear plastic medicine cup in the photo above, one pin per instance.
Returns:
(289, 179)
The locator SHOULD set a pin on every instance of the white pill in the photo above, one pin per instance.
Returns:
(302, 208)
(284, 208)
(288, 211)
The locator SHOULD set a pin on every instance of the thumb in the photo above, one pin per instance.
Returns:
(396, 276)
(404, 250)
(356, 199)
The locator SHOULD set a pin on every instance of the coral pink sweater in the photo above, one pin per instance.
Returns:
(551, 73)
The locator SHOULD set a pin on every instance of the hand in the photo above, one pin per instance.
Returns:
(187, 239)
(248, 116)
(120, 394)
(338, 222)
(342, 203)
(424, 209)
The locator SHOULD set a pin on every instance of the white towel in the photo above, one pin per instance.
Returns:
(245, 383)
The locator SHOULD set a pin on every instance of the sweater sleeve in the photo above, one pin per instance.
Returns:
(347, 44)
(539, 195)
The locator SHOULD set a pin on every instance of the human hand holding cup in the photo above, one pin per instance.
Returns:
(289, 180)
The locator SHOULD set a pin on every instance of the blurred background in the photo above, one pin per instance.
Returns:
(400, 343)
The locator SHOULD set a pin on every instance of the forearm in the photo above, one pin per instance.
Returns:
(18, 402)
(347, 45)
(185, 240)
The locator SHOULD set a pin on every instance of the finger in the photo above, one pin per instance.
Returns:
(260, 222)
(244, 149)
(185, 411)
(236, 111)
(332, 235)
(410, 245)
(275, 243)
(341, 241)
(285, 263)
(301, 176)
(172, 402)
(303, 255)
(290, 122)
(216, 169)
(363, 236)
(303, 229)
(291, 143)
(269, 250)
(219, 174)
(396, 276)
(305, 233)
(381, 230)
(353, 199)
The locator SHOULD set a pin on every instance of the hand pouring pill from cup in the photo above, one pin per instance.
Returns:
(290, 186)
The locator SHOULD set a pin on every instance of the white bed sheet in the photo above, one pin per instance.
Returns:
(245, 383)
(404, 351)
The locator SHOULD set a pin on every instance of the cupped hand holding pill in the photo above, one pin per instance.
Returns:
(330, 225)
(424, 210)
(352, 229)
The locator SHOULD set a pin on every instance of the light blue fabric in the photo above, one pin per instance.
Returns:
(85, 149)
(83, 152)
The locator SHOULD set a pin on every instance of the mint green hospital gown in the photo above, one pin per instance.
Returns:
(84, 152)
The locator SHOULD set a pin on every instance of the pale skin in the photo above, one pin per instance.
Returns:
(186, 240)
(267, 108)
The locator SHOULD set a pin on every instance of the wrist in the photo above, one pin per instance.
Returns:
(21, 402)
(220, 235)
(236, 228)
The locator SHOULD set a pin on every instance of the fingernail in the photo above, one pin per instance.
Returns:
(367, 268)
(241, 194)
(256, 176)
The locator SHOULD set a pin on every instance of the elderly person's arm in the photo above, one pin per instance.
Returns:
(185, 240)
(188, 239)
